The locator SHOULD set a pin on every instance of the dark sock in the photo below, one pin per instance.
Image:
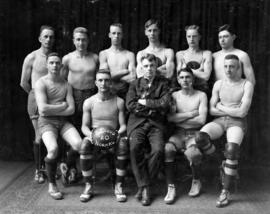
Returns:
(51, 166)
(170, 172)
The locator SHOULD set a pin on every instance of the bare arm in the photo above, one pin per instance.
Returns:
(26, 72)
(70, 103)
(121, 117)
(180, 61)
(242, 110)
(201, 117)
(86, 118)
(167, 70)
(65, 67)
(139, 71)
(205, 69)
(131, 68)
(44, 108)
(215, 99)
(248, 69)
(103, 64)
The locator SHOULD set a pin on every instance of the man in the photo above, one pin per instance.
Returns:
(80, 68)
(165, 56)
(226, 37)
(34, 67)
(189, 115)
(119, 61)
(55, 103)
(103, 109)
(230, 102)
(200, 61)
(147, 101)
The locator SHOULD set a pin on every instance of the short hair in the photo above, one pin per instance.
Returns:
(104, 71)
(228, 28)
(186, 69)
(152, 22)
(46, 27)
(149, 57)
(193, 27)
(117, 25)
(54, 54)
(231, 56)
(80, 30)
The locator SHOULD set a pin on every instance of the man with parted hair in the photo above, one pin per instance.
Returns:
(34, 67)
(103, 109)
(147, 101)
(226, 37)
(165, 56)
(230, 103)
(80, 68)
(55, 103)
(119, 61)
(200, 61)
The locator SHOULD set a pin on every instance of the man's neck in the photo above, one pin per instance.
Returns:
(53, 77)
(45, 51)
(81, 54)
(193, 49)
(187, 91)
(116, 48)
(104, 95)
(154, 45)
(227, 50)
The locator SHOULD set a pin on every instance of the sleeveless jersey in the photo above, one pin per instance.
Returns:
(56, 92)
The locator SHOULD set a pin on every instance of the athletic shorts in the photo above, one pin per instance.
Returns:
(32, 108)
(226, 122)
(55, 124)
(183, 138)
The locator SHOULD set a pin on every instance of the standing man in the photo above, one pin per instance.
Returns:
(147, 101)
(226, 37)
(55, 103)
(200, 61)
(230, 102)
(34, 67)
(189, 117)
(104, 109)
(165, 56)
(80, 68)
(119, 61)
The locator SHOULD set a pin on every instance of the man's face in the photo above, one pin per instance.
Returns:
(80, 41)
(225, 39)
(152, 32)
(193, 38)
(149, 69)
(231, 68)
(115, 35)
(46, 38)
(185, 80)
(54, 65)
(103, 82)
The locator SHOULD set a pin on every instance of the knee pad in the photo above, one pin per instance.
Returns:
(193, 154)
(170, 151)
(203, 142)
(122, 147)
(86, 147)
(232, 151)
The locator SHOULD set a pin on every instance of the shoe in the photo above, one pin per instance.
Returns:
(39, 177)
(54, 192)
(87, 193)
(64, 173)
(170, 197)
(118, 191)
(223, 199)
(195, 189)
(146, 197)
(72, 176)
(138, 195)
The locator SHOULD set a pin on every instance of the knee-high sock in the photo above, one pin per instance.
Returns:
(36, 150)
(196, 171)
(51, 166)
(121, 166)
(86, 162)
(170, 172)
(72, 156)
(230, 169)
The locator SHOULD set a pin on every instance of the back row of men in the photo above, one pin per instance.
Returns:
(148, 101)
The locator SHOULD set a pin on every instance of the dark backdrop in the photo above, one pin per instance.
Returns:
(19, 28)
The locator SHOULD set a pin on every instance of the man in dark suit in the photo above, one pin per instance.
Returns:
(147, 101)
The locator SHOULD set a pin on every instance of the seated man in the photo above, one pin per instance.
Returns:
(103, 110)
(230, 102)
(147, 101)
(189, 115)
(55, 102)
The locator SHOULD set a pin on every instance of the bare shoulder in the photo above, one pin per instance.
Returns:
(216, 54)
(217, 84)
(169, 51)
(180, 53)
(201, 94)
(248, 84)
(67, 57)
(41, 82)
(120, 102)
(104, 52)
(89, 102)
(241, 54)
(31, 57)
(207, 53)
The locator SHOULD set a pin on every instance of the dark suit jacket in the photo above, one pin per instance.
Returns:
(157, 102)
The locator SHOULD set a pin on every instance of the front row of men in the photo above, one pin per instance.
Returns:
(150, 105)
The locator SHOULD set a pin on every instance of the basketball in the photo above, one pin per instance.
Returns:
(104, 137)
